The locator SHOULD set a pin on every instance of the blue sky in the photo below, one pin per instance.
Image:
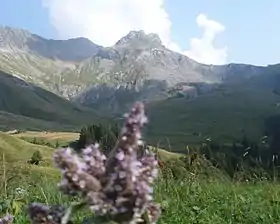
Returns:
(250, 33)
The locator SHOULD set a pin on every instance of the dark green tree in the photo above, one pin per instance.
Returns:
(105, 135)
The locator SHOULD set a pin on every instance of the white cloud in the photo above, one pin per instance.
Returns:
(203, 49)
(104, 22)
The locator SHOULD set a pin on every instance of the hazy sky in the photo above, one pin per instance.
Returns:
(209, 31)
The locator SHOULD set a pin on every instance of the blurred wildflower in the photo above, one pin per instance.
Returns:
(46, 215)
(7, 219)
(119, 187)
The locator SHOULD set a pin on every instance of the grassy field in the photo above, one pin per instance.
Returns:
(53, 138)
(64, 138)
(17, 150)
(190, 200)
(183, 202)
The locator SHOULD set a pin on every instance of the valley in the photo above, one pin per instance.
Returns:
(138, 67)
(215, 129)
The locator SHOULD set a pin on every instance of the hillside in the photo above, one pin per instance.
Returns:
(9, 121)
(39, 60)
(15, 149)
(225, 115)
(14, 169)
(64, 138)
(22, 102)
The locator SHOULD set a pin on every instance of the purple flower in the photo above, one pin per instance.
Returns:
(41, 214)
(120, 186)
(75, 180)
(7, 219)
(94, 161)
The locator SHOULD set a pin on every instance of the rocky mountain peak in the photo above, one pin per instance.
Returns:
(13, 38)
(139, 38)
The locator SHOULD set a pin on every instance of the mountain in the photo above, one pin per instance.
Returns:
(187, 102)
(137, 67)
(26, 104)
(244, 105)
(40, 60)
(140, 67)
(14, 40)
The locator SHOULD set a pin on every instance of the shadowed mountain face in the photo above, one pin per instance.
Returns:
(27, 101)
(137, 67)
(76, 49)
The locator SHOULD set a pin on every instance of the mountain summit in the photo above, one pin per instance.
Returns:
(139, 37)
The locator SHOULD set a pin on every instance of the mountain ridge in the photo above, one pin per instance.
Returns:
(138, 64)
(187, 102)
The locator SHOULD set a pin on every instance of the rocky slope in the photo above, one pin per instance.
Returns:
(138, 66)
(41, 61)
